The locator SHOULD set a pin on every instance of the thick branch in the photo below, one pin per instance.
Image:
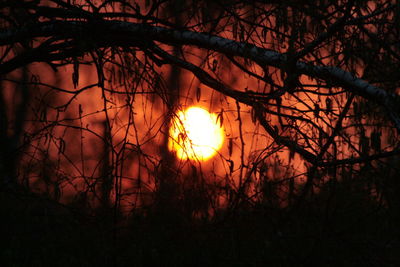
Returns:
(119, 33)
(364, 159)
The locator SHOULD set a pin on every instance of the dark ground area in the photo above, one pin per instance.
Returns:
(340, 230)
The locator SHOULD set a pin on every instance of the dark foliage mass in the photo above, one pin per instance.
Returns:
(308, 95)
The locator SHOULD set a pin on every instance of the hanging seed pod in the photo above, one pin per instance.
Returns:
(230, 146)
(43, 115)
(181, 138)
(253, 115)
(231, 166)
(198, 94)
(316, 110)
(61, 148)
(220, 118)
(214, 65)
(320, 138)
(264, 34)
(75, 73)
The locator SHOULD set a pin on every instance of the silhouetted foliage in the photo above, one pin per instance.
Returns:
(308, 93)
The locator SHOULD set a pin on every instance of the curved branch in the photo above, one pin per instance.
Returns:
(128, 34)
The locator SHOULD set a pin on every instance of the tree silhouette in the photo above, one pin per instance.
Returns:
(303, 83)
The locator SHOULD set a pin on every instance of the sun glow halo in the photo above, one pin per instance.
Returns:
(195, 134)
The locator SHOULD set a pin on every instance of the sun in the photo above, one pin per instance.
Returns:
(195, 134)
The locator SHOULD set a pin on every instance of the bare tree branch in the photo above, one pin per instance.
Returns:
(112, 33)
(260, 111)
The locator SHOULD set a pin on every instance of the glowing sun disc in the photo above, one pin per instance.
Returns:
(195, 134)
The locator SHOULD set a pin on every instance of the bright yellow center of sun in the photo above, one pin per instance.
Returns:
(195, 134)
